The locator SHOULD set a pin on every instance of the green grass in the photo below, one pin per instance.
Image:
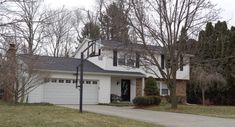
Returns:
(119, 104)
(215, 111)
(44, 115)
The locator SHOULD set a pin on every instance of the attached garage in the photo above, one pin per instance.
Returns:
(63, 91)
(59, 81)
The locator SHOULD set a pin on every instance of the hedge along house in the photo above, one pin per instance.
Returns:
(117, 71)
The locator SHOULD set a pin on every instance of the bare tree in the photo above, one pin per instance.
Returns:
(77, 20)
(59, 32)
(18, 75)
(83, 19)
(161, 23)
(28, 23)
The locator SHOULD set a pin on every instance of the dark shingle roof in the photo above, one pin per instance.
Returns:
(66, 64)
(125, 45)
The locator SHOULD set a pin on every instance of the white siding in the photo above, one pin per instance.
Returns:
(116, 88)
(104, 88)
(133, 89)
(61, 93)
(36, 95)
(107, 63)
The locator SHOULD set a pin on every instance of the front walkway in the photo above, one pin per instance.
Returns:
(161, 118)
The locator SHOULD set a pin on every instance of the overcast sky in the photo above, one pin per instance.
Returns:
(227, 7)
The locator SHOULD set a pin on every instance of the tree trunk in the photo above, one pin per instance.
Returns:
(174, 98)
(203, 96)
(16, 99)
(22, 97)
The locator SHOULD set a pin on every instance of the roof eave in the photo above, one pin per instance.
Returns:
(95, 73)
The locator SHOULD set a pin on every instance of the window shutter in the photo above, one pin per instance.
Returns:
(162, 61)
(114, 57)
(137, 64)
(181, 63)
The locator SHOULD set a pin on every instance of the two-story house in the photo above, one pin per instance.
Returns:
(117, 71)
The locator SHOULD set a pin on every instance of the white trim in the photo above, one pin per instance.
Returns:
(93, 73)
(80, 46)
(143, 85)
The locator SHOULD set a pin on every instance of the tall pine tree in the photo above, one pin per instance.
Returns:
(216, 46)
(114, 22)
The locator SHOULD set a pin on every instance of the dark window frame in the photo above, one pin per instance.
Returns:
(137, 61)
(54, 80)
(115, 59)
(88, 82)
(162, 61)
(67, 81)
(181, 63)
(165, 90)
(61, 81)
(95, 82)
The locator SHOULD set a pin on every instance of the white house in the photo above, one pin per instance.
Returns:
(115, 72)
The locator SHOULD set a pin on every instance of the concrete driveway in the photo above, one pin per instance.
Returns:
(161, 118)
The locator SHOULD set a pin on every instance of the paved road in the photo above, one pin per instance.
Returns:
(161, 118)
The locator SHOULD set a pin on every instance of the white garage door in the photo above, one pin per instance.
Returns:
(62, 91)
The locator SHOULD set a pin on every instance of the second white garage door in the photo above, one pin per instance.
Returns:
(62, 91)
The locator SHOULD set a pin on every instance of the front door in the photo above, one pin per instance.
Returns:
(125, 90)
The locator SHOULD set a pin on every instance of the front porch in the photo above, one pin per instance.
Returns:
(125, 89)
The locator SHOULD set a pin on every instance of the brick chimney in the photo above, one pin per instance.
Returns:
(11, 53)
(10, 79)
(0, 59)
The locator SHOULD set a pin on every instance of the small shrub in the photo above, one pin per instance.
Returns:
(147, 100)
(151, 88)
(157, 100)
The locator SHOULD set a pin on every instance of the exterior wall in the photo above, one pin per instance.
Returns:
(105, 61)
(107, 64)
(181, 88)
(99, 61)
(37, 95)
(133, 89)
(105, 89)
(116, 86)
(108, 55)
(163, 85)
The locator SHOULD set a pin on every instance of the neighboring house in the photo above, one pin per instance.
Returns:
(117, 71)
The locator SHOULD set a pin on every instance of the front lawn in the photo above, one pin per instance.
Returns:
(216, 111)
(53, 116)
(119, 104)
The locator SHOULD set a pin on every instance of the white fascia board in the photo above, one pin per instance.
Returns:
(80, 46)
(92, 73)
